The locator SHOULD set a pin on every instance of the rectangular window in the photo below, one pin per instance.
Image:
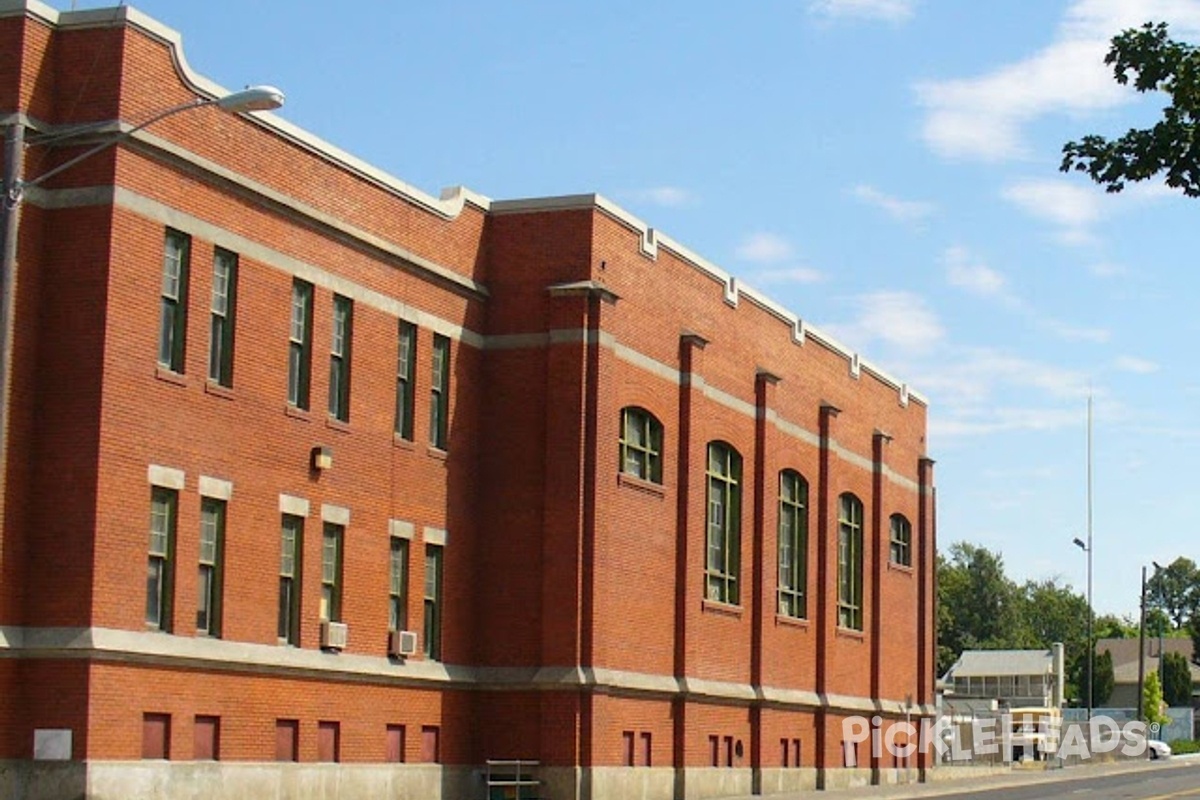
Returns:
(207, 739)
(287, 740)
(331, 572)
(329, 741)
(793, 545)
(627, 747)
(212, 546)
(646, 750)
(300, 345)
(406, 365)
(795, 752)
(440, 392)
(729, 751)
(224, 308)
(395, 744)
(160, 579)
(172, 331)
(433, 601)
(850, 563)
(339, 358)
(156, 736)
(431, 744)
(398, 589)
(291, 546)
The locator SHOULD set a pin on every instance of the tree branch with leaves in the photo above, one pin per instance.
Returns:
(1156, 63)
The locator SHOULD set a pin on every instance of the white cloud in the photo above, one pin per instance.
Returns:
(1138, 366)
(765, 248)
(901, 210)
(983, 117)
(1106, 269)
(900, 319)
(889, 10)
(1072, 333)
(668, 196)
(789, 275)
(965, 272)
(1072, 206)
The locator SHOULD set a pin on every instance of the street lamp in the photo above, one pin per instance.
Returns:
(12, 192)
(1091, 648)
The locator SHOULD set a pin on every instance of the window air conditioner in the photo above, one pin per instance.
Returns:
(402, 643)
(334, 635)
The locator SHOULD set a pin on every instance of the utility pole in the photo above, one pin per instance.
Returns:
(1142, 649)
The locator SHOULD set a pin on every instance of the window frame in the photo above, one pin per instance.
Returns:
(160, 598)
(850, 562)
(290, 581)
(398, 551)
(340, 354)
(406, 373)
(722, 562)
(211, 577)
(223, 321)
(173, 301)
(300, 345)
(333, 538)
(643, 454)
(439, 392)
(900, 540)
(431, 638)
(793, 545)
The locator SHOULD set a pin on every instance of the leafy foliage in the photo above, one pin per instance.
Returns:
(1177, 680)
(1152, 701)
(1157, 63)
(1176, 590)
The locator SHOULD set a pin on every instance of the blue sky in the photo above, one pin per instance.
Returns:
(885, 168)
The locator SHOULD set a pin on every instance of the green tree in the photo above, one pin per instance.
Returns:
(1177, 680)
(978, 606)
(1110, 626)
(1051, 612)
(1173, 145)
(1152, 701)
(1102, 679)
(1176, 587)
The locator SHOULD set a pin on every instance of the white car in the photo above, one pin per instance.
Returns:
(1156, 749)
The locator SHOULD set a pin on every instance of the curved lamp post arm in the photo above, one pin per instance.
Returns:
(253, 98)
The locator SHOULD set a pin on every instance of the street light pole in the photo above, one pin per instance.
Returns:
(1087, 549)
(252, 98)
(1142, 650)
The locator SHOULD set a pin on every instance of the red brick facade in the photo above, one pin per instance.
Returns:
(574, 624)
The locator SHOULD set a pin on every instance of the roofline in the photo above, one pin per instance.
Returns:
(452, 200)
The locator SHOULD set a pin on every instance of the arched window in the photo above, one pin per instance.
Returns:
(793, 544)
(850, 562)
(901, 540)
(641, 444)
(723, 538)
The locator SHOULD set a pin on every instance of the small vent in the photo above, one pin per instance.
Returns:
(402, 643)
(334, 635)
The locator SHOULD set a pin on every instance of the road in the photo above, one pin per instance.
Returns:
(1166, 782)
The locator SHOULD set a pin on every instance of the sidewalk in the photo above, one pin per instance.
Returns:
(1014, 778)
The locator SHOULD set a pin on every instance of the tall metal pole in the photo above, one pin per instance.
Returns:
(1091, 656)
(1142, 648)
(10, 218)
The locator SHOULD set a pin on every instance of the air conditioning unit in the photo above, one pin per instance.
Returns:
(402, 643)
(334, 635)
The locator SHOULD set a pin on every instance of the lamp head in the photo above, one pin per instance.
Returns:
(1081, 544)
(1157, 566)
(252, 98)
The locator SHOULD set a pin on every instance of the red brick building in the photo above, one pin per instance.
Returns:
(268, 408)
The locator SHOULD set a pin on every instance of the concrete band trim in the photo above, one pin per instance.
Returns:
(160, 649)
(167, 216)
